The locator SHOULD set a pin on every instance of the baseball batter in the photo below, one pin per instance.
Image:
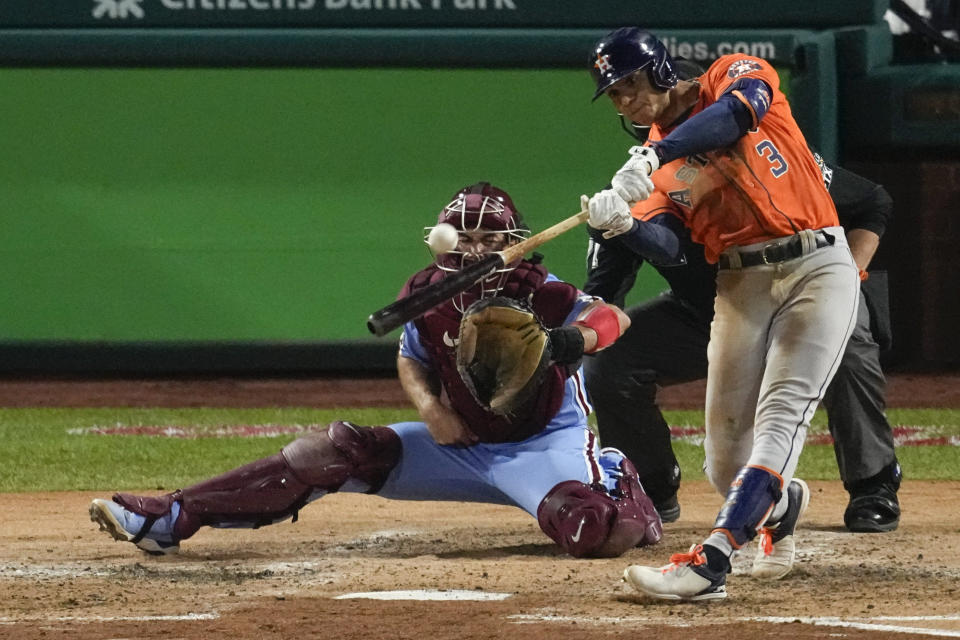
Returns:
(727, 159)
(537, 455)
(666, 344)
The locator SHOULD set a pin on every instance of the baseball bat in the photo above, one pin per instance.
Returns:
(404, 310)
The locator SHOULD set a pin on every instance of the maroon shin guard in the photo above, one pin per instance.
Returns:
(589, 522)
(278, 486)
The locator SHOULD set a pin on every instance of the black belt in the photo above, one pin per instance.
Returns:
(776, 251)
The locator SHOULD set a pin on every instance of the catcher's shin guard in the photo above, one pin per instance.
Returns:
(277, 487)
(589, 522)
(750, 499)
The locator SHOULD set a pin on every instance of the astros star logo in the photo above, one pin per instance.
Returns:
(603, 63)
(742, 67)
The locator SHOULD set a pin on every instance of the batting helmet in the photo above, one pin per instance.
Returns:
(627, 50)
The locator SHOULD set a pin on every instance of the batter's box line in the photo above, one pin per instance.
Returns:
(854, 623)
(863, 624)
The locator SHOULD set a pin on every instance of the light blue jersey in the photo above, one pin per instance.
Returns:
(514, 473)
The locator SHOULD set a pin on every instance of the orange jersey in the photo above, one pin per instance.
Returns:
(766, 185)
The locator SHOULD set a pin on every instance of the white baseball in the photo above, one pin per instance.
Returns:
(443, 238)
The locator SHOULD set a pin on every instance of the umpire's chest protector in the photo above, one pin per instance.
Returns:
(439, 331)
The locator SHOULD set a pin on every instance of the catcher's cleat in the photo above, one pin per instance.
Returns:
(687, 577)
(776, 550)
(127, 526)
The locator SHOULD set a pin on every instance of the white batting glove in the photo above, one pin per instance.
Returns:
(608, 212)
(632, 182)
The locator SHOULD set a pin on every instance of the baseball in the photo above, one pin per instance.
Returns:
(443, 238)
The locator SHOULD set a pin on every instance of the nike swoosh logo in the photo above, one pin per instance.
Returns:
(450, 342)
(576, 536)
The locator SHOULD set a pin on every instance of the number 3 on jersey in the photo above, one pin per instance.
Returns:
(767, 150)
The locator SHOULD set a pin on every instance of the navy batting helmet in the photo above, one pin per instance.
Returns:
(626, 50)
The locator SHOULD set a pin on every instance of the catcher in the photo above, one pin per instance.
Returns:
(495, 376)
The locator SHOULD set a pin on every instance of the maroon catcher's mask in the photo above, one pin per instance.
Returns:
(487, 221)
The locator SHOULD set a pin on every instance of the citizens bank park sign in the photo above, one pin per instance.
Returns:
(527, 14)
(307, 13)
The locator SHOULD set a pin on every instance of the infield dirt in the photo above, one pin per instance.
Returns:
(60, 577)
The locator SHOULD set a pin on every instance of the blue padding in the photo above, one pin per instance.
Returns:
(756, 92)
(749, 498)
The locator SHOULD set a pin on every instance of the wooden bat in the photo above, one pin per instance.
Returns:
(394, 315)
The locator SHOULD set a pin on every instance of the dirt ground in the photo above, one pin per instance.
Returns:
(60, 577)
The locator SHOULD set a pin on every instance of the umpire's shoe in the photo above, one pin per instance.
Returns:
(687, 577)
(873, 506)
(668, 509)
(777, 549)
(153, 535)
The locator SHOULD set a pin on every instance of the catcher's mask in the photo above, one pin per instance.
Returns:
(480, 210)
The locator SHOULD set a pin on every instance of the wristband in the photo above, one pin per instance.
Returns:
(566, 344)
(603, 320)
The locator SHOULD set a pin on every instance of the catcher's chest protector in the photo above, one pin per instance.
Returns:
(439, 331)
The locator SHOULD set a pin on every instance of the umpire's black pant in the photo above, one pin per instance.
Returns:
(667, 344)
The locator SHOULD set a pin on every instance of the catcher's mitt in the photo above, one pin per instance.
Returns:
(503, 353)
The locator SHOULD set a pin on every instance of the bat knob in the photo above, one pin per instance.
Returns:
(376, 327)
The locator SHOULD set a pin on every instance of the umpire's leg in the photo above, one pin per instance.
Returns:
(665, 344)
(863, 440)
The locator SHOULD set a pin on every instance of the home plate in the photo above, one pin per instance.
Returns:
(426, 594)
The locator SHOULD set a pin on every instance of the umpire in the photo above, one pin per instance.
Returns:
(667, 344)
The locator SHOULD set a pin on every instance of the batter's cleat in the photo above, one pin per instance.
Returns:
(669, 509)
(127, 526)
(687, 577)
(777, 550)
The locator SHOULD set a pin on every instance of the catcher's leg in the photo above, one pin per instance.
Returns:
(590, 521)
(260, 493)
(665, 344)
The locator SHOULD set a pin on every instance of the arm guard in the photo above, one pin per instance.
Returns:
(604, 322)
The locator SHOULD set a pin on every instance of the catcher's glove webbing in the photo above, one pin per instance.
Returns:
(503, 353)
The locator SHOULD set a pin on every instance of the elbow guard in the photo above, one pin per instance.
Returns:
(604, 322)
(756, 94)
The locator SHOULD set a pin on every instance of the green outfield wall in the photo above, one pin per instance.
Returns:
(186, 193)
(267, 204)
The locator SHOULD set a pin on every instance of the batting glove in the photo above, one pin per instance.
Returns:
(608, 212)
(632, 182)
